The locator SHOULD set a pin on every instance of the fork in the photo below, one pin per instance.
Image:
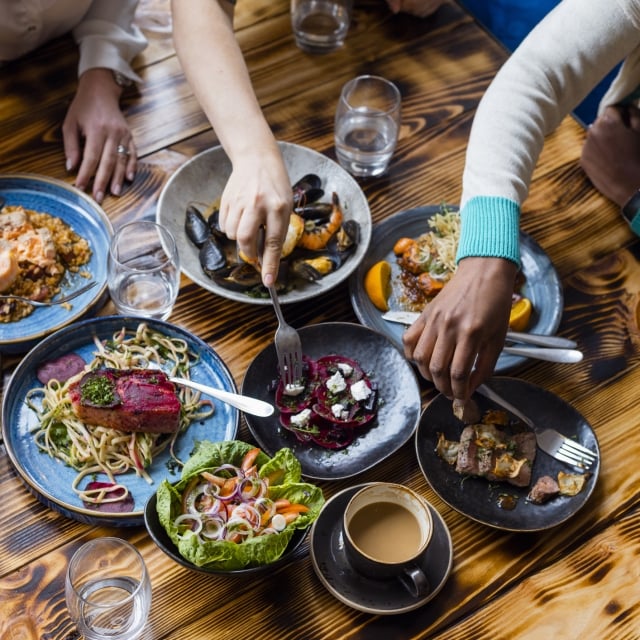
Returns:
(49, 303)
(288, 346)
(549, 440)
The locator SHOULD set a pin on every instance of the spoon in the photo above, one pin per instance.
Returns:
(249, 405)
(566, 356)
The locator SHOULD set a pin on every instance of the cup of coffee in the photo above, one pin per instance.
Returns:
(320, 26)
(387, 528)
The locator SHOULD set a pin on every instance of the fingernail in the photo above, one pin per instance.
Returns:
(69, 164)
(130, 176)
(116, 190)
(99, 197)
(268, 280)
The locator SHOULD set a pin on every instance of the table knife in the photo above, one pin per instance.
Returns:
(409, 317)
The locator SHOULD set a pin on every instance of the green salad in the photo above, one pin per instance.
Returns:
(235, 507)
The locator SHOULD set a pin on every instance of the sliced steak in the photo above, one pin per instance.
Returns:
(127, 399)
(543, 490)
(496, 455)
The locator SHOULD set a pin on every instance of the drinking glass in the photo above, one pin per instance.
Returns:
(143, 270)
(320, 26)
(108, 590)
(366, 125)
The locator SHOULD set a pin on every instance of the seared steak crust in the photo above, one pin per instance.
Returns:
(128, 400)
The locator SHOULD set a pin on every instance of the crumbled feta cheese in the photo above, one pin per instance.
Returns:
(339, 411)
(345, 368)
(301, 419)
(294, 389)
(360, 390)
(336, 383)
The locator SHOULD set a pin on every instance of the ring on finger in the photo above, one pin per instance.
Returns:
(122, 150)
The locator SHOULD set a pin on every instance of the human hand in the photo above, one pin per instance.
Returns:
(611, 153)
(419, 8)
(258, 195)
(93, 131)
(457, 339)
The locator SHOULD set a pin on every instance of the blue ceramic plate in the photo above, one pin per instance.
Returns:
(398, 412)
(542, 285)
(88, 220)
(49, 479)
(203, 178)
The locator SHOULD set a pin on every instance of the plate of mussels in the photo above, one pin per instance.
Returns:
(329, 232)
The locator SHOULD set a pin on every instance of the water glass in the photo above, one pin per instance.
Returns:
(367, 124)
(143, 270)
(320, 26)
(108, 590)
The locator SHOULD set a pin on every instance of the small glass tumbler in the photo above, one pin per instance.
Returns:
(143, 270)
(108, 590)
(320, 26)
(367, 124)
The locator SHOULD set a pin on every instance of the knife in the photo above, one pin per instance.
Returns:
(409, 317)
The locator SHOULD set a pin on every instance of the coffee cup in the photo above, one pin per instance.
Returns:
(386, 529)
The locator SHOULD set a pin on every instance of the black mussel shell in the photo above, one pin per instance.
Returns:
(211, 256)
(196, 226)
(308, 189)
(238, 277)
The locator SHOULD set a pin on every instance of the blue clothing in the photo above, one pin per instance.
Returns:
(511, 20)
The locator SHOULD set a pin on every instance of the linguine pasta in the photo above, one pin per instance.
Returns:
(93, 449)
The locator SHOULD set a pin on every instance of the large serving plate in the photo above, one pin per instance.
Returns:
(399, 393)
(479, 499)
(203, 178)
(48, 478)
(542, 285)
(87, 219)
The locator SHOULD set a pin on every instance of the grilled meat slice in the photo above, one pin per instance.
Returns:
(543, 490)
(127, 399)
(496, 455)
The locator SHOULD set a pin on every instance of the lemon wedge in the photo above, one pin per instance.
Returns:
(520, 314)
(377, 284)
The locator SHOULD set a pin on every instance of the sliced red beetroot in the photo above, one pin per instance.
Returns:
(328, 365)
(356, 416)
(122, 505)
(335, 438)
(290, 404)
(60, 369)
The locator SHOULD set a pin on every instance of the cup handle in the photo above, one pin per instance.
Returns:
(415, 581)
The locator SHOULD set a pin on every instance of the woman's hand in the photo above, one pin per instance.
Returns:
(611, 153)
(256, 205)
(457, 339)
(93, 131)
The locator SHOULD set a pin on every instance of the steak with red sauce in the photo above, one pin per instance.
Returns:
(127, 400)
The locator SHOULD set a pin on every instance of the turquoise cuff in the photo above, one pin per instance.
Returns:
(490, 229)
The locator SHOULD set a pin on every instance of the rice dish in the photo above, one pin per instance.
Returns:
(38, 252)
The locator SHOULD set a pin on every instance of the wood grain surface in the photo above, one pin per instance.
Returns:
(578, 580)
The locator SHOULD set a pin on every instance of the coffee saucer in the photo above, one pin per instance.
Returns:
(367, 594)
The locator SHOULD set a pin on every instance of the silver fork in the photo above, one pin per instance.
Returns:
(49, 303)
(549, 440)
(288, 345)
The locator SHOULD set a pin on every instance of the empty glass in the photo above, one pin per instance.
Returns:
(143, 270)
(108, 590)
(367, 124)
(320, 26)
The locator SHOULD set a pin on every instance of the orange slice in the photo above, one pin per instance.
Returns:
(520, 315)
(377, 284)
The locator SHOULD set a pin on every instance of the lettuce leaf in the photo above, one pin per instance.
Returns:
(285, 476)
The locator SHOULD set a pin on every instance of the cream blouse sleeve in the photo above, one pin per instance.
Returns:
(107, 37)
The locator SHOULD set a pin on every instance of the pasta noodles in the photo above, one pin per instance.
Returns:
(93, 449)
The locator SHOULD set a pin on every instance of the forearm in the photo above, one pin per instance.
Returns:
(203, 30)
(553, 69)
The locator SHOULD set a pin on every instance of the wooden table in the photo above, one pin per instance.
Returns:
(577, 580)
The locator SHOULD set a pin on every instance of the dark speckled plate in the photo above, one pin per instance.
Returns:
(399, 392)
(478, 498)
(162, 539)
(542, 284)
(382, 597)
